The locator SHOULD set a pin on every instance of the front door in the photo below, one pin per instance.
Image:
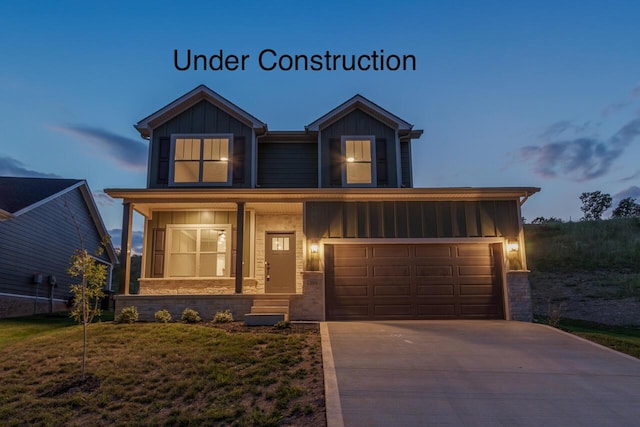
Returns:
(280, 263)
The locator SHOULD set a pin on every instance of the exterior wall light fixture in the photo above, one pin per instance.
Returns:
(513, 246)
(314, 248)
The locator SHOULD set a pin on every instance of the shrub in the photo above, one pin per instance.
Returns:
(189, 315)
(127, 315)
(283, 324)
(162, 316)
(223, 317)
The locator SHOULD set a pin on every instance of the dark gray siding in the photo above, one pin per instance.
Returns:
(42, 241)
(287, 165)
(411, 219)
(359, 123)
(405, 162)
(203, 117)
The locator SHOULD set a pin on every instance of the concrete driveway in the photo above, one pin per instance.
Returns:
(474, 373)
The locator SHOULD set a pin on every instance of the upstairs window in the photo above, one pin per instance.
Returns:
(201, 159)
(359, 171)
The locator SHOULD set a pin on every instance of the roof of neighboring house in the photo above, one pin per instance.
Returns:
(17, 194)
(20, 195)
(188, 100)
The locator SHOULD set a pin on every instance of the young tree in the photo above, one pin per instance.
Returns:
(594, 204)
(88, 292)
(627, 208)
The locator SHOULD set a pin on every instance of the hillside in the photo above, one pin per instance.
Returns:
(586, 270)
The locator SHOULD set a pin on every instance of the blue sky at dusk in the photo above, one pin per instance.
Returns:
(511, 93)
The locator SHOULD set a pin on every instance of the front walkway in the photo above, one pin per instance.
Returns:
(474, 373)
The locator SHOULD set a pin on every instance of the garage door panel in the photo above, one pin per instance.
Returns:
(406, 281)
(389, 271)
(353, 271)
(389, 310)
(391, 290)
(351, 312)
(433, 270)
(390, 251)
(470, 250)
(477, 309)
(351, 291)
(342, 252)
(436, 310)
(433, 251)
(476, 290)
(475, 270)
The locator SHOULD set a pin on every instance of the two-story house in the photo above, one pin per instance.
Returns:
(324, 221)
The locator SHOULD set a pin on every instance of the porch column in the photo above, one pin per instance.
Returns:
(239, 246)
(125, 249)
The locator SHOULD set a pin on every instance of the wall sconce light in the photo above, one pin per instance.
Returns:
(350, 159)
(314, 248)
(224, 159)
(513, 246)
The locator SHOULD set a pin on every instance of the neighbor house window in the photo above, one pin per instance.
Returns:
(198, 251)
(201, 159)
(358, 154)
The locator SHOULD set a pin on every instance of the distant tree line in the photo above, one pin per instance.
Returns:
(594, 204)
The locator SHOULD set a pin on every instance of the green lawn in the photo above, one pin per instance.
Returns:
(625, 340)
(159, 374)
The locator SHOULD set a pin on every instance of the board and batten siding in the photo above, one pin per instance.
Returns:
(411, 219)
(202, 118)
(405, 162)
(42, 241)
(287, 165)
(358, 122)
(156, 238)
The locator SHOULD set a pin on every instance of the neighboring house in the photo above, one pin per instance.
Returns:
(38, 237)
(323, 220)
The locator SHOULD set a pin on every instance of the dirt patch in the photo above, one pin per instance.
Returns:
(598, 296)
(74, 385)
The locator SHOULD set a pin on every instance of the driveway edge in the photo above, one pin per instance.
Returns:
(331, 393)
(619, 353)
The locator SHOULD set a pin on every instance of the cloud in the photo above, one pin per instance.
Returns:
(583, 158)
(12, 167)
(127, 152)
(633, 191)
(136, 239)
(102, 198)
(631, 178)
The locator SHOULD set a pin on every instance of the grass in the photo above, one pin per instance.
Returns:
(160, 374)
(612, 244)
(12, 330)
(622, 339)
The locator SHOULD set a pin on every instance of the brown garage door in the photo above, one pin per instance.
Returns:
(418, 281)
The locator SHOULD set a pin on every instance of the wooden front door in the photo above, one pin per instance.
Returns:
(280, 263)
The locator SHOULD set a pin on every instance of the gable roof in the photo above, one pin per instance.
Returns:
(188, 100)
(17, 194)
(20, 195)
(360, 102)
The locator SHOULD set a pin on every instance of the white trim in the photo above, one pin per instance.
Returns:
(372, 162)
(320, 160)
(398, 161)
(170, 229)
(201, 161)
(418, 240)
(48, 199)
(145, 238)
(359, 101)
(188, 100)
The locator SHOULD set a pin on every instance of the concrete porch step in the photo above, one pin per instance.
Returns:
(271, 310)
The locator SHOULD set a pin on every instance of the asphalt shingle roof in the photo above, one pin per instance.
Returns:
(19, 193)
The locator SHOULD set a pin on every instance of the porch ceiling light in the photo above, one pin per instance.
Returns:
(513, 246)
(224, 159)
(314, 248)
(350, 159)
